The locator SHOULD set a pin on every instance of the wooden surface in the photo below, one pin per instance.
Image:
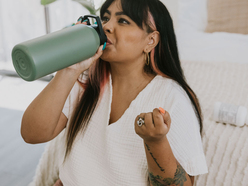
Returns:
(18, 160)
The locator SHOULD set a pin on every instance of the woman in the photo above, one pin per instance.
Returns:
(115, 133)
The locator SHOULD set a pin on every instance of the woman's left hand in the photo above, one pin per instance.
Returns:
(155, 127)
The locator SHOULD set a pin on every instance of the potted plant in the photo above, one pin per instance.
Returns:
(90, 5)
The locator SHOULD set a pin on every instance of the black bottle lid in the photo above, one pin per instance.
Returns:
(97, 27)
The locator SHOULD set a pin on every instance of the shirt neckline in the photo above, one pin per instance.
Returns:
(143, 91)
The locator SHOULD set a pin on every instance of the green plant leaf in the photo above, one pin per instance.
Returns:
(89, 5)
(46, 2)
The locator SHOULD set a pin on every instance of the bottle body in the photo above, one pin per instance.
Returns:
(47, 54)
(231, 114)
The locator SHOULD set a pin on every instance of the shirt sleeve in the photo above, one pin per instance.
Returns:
(185, 138)
(72, 100)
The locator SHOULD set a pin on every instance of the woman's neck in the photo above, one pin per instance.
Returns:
(129, 77)
(127, 83)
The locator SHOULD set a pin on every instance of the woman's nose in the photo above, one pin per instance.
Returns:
(108, 27)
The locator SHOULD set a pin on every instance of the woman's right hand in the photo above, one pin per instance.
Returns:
(80, 67)
(43, 120)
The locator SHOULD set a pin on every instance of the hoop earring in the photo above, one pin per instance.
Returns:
(147, 59)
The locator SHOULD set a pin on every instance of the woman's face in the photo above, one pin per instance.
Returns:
(126, 41)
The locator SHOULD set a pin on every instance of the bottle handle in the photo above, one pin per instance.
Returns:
(98, 27)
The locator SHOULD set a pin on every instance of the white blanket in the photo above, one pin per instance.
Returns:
(219, 47)
(225, 146)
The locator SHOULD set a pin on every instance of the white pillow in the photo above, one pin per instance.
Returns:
(227, 16)
(212, 47)
(197, 45)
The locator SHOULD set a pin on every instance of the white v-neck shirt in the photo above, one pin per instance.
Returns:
(110, 155)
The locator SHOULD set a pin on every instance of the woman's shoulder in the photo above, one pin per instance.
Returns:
(175, 89)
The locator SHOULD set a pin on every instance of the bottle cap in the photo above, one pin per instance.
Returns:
(216, 111)
(97, 26)
(241, 116)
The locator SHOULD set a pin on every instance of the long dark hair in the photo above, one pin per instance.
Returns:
(165, 62)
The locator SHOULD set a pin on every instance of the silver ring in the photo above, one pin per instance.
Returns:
(140, 121)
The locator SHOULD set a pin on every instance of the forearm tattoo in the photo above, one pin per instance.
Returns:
(148, 148)
(179, 176)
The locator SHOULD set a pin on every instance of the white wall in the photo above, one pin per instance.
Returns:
(19, 18)
(172, 6)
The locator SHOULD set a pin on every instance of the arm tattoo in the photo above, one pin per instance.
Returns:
(179, 178)
(148, 148)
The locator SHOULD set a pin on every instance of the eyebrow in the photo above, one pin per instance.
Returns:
(117, 13)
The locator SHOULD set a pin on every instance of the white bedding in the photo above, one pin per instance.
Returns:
(216, 47)
(196, 45)
(215, 65)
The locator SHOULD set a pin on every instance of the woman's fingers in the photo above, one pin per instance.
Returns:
(87, 63)
(98, 53)
(153, 126)
(149, 121)
(79, 22)
(166, 117)
(157, 117)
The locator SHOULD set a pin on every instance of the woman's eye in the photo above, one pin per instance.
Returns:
(105, 19)
(121, 20)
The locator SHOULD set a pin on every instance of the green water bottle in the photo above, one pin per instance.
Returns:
(44, 55)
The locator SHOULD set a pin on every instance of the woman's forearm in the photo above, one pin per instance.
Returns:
(163, 168)
(42, 115)
(43, 119)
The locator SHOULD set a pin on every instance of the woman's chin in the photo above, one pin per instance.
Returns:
(106, 56)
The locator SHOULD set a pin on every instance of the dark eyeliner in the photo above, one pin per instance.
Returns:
(104, 18)
(124, 20)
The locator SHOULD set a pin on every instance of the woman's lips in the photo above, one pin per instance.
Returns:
(108, 42)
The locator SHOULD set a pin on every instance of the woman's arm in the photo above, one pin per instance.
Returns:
(43, 119)
(163, 168)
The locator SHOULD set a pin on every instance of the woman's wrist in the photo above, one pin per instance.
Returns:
(69, 74)
(157, 143)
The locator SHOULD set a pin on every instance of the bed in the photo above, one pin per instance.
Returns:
(216, 67)
(215, 62)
